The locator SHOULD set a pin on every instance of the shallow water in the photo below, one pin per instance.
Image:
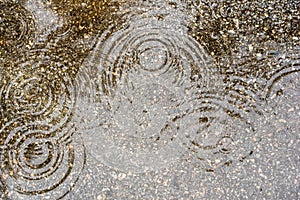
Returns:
(119, 98)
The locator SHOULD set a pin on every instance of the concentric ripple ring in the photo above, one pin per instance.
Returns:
(36, 94)
(141, 76)
(151, 48)
(38, 163)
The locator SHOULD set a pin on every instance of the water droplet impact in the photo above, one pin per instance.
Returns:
(34, 93)
(40, 162)
(41, 154)
(140, 76)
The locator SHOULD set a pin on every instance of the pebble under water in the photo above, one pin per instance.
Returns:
(149, 99)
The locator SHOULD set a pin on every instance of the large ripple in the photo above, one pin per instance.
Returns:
(137, 79)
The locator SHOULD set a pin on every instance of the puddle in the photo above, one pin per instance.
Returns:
(138, 87)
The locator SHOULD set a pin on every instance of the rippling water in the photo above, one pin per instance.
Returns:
(136, 86)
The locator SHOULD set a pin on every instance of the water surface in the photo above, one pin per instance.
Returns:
(125, 93)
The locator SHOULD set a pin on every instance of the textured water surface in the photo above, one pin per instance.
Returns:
(149, 99)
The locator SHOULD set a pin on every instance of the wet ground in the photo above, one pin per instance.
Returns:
(149, 99)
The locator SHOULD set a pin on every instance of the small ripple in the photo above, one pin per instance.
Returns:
(216, 138)
(250, 78)
(215, 126)
(38, 162)
(32, 91)
(287, 63)
(17, 25)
